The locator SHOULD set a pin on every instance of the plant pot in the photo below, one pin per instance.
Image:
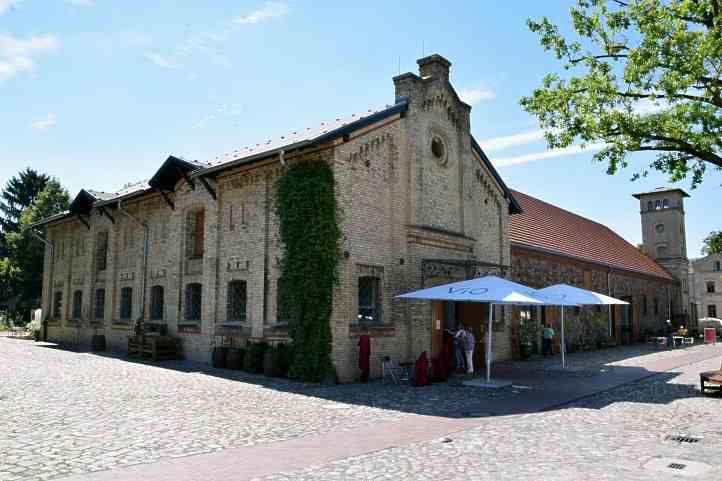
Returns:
(219, 356)
(234, 359)
(524, 351)
(269, 364)
(97, 342)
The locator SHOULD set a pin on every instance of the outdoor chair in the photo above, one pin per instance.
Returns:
(688, 341)
(397, 372)
(711, 380)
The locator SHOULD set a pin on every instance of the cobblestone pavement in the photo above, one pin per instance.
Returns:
(64, 412)
(609, 436)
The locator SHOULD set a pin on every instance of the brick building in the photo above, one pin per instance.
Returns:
(705, 279)
(196, 247)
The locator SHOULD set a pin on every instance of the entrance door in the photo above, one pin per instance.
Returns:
(475, 316)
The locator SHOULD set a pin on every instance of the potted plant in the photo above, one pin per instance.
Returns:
(528, 334)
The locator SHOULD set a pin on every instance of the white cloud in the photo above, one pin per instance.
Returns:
(6, 5)
(159, 60)
(268, 11)
(508, 141)
(16, 54)
(547, 154)
(474, 95)
(44, 123)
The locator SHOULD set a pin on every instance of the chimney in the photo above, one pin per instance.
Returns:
(434, 66)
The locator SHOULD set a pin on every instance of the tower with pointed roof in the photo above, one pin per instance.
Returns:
(664, 238)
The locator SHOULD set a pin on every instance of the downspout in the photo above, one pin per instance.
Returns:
(145, 256)
(609, 307)
(50, 283)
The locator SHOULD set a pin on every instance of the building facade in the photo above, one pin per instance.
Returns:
(705, 276)
(197, 249)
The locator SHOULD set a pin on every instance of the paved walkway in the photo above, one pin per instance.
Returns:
(102, 418)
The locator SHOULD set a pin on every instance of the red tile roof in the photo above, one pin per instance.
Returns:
(545, 227)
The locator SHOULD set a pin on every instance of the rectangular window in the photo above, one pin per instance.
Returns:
(196, 230)
(156, 303)
(717, 267)
(711, 310)
(193, 302)
(99, 311)
(236, 302)
(369, 300)
(710, 287)
(58, 305)
(77, 305)
(101, 251)
(126, 303)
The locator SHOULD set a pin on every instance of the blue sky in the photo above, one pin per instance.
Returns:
(98, 93)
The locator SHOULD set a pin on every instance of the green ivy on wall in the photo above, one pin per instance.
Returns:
(310, 237)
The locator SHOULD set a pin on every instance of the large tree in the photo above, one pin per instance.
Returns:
(19, 193)
(712, 244)
(21, 272)
(643, 75)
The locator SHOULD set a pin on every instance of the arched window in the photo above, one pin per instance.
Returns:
(57, 305)
(99, 308)
(195, 233)
(126, 303)
(77, 305)
(659, 228)
(665, 204)
(194, 294)
(657, 205)
(236, 301)
(156, 303)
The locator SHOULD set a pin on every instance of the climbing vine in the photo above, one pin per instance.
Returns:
(310, 237)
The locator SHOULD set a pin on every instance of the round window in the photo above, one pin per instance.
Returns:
(437, 148)
(660, 228)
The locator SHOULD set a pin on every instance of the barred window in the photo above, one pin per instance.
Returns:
(101, 251)
(126, 303)
(195, 230)
(369, 299)
(156, 303)
(99, 304)
(193, 302)
(58, 305)
(77, 304)
(711, 310)
(236, 303)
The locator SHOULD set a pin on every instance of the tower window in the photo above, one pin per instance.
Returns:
(661, 251)
(657, 205)
(665, 204)
(710, 287)
(659, 228)
(195, 232)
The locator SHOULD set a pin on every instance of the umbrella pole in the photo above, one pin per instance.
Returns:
(564, 347)
(488, 345)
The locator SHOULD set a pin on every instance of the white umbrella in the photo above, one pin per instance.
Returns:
(566, 295)
(491, 289)
(711, 320)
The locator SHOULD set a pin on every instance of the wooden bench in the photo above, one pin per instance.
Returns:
(713, 380)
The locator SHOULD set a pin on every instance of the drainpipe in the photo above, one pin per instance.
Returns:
(50, 285)
(609, 307)
(145, 256)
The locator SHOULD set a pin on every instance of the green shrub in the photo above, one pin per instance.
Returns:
(310, 239)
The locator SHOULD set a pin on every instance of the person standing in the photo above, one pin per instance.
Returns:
(459, 349)
(547, 336)
(469, 344)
